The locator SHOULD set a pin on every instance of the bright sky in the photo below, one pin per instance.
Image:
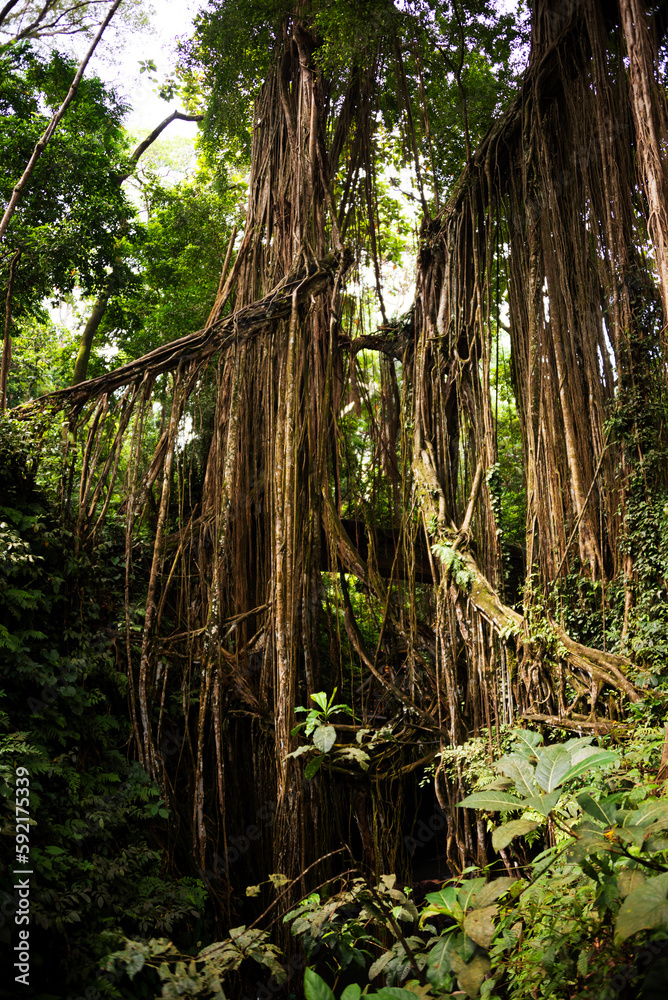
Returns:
(169, 20)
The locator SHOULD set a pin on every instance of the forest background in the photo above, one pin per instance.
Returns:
(334, 519)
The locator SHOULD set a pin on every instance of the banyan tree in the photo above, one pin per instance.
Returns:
(273, 554)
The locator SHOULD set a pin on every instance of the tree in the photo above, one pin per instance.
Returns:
(64, 232)
(42, 142)
(47, 19)
(119, 270)
(249, 600)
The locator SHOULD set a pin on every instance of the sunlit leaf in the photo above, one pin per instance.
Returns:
(324, 738)
(553, 764)
(491, 801)
(479, 925)
(503, 835)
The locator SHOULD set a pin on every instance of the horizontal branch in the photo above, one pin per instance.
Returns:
(394, 347)
(577, 724)
(235, 328)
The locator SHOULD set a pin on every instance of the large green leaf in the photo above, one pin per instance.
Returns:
(444, 901)
(518, 768)
(352, 992)
(503, 835)
(470, 975)
(438, 961)
(446, 897)
(316, 988)
(320, 698)
(324, 738)
(603, 812)
(653, 813)
(491, 801)
(587, 758)
(479, 925)
(629, 880)
(543, 804)
(468, 890)
(576, 744)
(527, 741)
(646, 908)
(492, 890)
(553, 763)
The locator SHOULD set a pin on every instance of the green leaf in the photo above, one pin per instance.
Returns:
(444, 901)
(491, 801)
(313, 767)
(379, 964)
(468, 890)
(654, 813)
(582, 962)
(392, 993)
(479, 925)
(646, 908)
(543, 804)
(576, 744)
(407, 912)
(583, 762)
(518, 768)
(553, 763)
(527, 741)
(324, 738)
(320, 698)
(352, 992)
(438, 961)
(503, 835)
(316, 988)
(312, 721)
(628, 880)
(492, 890)
(356, 754)
(589, 840)
(445, 897)
(470, 975)
(333, 695)
(604, 813)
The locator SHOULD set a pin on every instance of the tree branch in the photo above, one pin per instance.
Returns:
(53, 125)
(233, 328)
(7, 9)
(155, 134)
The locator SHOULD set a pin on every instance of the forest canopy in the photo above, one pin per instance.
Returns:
(334, 524)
